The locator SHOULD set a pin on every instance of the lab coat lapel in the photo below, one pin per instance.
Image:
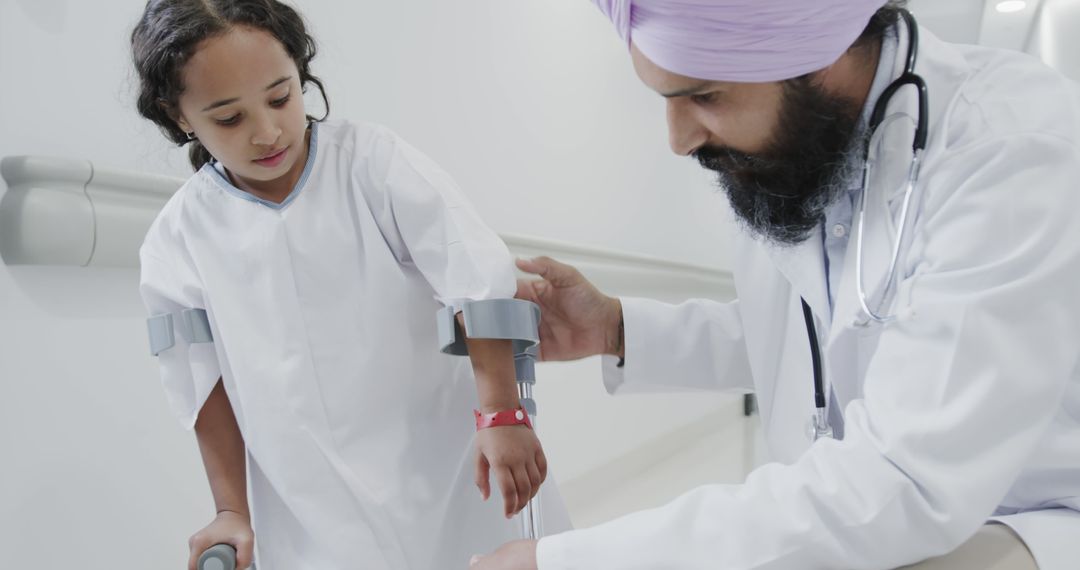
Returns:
(804, 267)
(785, 410)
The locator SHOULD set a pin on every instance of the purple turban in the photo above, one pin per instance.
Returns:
(747, 41)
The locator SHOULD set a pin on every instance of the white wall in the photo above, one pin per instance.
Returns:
(532, 105)
(1054, 38)
(93, 470)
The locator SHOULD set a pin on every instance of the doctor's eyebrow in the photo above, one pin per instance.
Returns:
(224, 102)
(692, 90)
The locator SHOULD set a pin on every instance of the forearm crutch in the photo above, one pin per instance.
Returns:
(505, 319)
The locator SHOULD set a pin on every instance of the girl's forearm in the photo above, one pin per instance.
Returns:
(223, 452)
(493, 364)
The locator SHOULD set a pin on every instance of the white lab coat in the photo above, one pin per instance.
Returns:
(967, 407)
(359, 432)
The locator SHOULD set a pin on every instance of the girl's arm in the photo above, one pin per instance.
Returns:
(428, 223)
(513, 453)
(223, 452)
(225, 458)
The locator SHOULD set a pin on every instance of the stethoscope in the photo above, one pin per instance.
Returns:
(819, 421)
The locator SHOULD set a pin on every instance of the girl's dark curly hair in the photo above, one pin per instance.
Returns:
(168, 33)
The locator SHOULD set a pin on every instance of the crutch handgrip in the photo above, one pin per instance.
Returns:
(218, 557)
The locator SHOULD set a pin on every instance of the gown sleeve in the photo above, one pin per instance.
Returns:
(189, 371)
(427, 222)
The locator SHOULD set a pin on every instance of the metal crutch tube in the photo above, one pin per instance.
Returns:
(532, 521)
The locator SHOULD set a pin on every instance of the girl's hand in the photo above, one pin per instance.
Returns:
(228, 528)
(515, 455)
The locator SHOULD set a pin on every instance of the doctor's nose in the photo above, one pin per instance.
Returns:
(685, 133)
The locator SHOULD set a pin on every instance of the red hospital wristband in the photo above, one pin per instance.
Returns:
(503, 418)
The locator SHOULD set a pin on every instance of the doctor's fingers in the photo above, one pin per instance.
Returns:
(557, 273)
(509, 490)
(483, 469)
(531, 290)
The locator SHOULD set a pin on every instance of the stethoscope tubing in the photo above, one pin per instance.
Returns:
(909, 77)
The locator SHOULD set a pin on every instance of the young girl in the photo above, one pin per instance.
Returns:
(320, 252)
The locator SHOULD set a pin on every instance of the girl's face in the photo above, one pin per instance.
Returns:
(243, 101)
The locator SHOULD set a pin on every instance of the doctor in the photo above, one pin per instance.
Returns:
(908, 307)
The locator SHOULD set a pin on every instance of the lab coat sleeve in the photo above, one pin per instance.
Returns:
(188, 371)
(696, 345)
(427, 221)
(957, 392)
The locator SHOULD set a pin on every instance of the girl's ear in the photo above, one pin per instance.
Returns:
(175, 115)
(184, 126)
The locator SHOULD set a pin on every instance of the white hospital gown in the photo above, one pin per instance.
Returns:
(359, 432)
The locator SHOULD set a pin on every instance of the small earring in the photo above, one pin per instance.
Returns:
(190, 136)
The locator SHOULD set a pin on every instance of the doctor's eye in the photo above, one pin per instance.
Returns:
(704, 98)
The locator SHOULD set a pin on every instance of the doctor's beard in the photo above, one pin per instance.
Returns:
(781, 194)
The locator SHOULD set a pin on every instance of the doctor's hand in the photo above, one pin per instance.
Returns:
(576, 319)
(228, 528)
(514, 454)
(517, 555)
